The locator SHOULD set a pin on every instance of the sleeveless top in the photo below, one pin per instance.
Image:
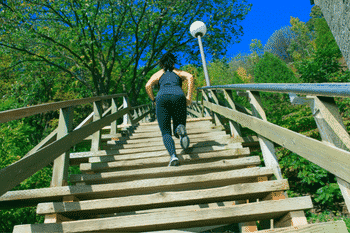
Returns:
(170, 83)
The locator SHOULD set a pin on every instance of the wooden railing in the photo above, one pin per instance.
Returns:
(56, 146)
(332, 153)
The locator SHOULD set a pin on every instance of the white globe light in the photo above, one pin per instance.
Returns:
(198, 28)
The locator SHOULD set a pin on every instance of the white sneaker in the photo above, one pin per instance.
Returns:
(174, 161)
(184, 140)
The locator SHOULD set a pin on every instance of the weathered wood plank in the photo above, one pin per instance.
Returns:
(19, 113)
(190, 132)
(178, 219)
(112, 155)
(327, 227)
(164, 199)
(217, 139)
(197, 114)
(159, 147)
(332, 159)
(61, 164)
(158, 161)
(15, 173)
(222, 165)
(32, 197)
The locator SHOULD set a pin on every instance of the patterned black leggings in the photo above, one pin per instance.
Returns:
(170, 107)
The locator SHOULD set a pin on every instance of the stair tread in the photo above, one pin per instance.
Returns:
(84, 192)
(158, 161)
(175, 219)
(165, 199)
(167, 171)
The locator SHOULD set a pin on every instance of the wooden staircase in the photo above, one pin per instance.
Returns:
(128, 187)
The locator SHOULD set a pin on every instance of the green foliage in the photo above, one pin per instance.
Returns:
(301, 46)
(256, 47)
(271, 69)
(108, 43)
(325, 40)
(322, 67)
(220, 73)
(279, 42)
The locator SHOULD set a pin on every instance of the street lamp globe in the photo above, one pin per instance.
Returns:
(198, 28)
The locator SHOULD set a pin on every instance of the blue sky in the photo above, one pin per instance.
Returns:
(265, 18)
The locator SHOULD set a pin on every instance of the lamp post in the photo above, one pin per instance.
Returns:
(198, 29)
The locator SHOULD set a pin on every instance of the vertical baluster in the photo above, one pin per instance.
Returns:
(216, 116)
(267, 147)
(61, 164)
(205, 110)
(96, 137)
(126, 118)
(235, 128)
(333, 131)
(114, 124)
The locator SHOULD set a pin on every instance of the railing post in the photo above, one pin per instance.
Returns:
(267, 147)
(216, 116)
(126, 117)
(235, 128)
(96, 137)
(114, 124)
(61, 164)
(332, 131)
(204, 96)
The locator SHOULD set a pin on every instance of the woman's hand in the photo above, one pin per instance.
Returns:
(188, 102)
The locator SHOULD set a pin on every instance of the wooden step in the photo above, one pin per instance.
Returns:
(173, 218)
(194, 152)
(192, 120)
(159, 141)
(201, 168)
(158, 161)
(23, 198)
(199, 124)
(163, 199)
(83, 157)
(158, 133)
(325, 227)
(160, 146)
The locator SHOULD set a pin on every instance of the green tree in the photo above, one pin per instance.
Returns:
(301, 45)
(89, 40)
(323, 65)
(279, 42)
(271, 69)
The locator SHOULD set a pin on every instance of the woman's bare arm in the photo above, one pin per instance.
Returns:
(190, 82)
(153, 81)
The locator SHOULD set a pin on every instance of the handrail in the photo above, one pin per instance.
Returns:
(59, 142)
(15, 173)
(320, 89)
(332, 153)
(19, 113)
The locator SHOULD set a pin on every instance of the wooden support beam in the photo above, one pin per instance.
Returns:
(216, 116)
(61, 164)
(327, 227)
(267, 147)
(328, 157)
(96, 137)
(15, 173)
(295, 218)
(332, 129)
(235, 128)
(205, 111)
(114, 124)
